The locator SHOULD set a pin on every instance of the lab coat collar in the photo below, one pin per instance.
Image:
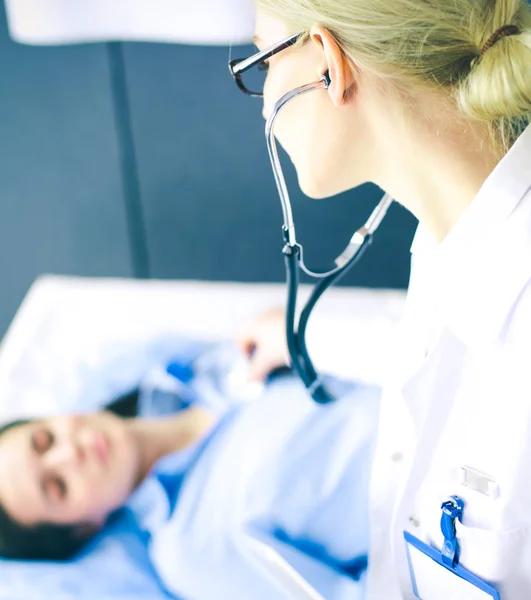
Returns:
(483, 264)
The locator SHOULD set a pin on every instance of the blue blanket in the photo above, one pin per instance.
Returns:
(280, 468)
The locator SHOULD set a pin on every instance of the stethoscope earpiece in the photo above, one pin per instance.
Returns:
(326, 79)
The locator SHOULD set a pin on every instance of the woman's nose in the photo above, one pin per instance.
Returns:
(63, 453)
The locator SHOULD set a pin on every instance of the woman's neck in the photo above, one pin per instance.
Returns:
(434, 167)
(159, 437)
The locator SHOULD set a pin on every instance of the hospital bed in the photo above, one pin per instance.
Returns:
(76, 343)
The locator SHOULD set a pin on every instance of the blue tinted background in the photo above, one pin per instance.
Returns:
(145, 160)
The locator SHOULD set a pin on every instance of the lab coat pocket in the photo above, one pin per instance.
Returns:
(489, 554)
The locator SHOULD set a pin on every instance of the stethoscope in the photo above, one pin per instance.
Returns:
(301, 362)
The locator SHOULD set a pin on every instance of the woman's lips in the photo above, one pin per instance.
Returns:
(101, 446)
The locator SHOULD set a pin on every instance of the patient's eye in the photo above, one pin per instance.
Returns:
(54, 488)
(42, 440)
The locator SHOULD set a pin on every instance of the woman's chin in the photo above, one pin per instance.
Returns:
(316, 189)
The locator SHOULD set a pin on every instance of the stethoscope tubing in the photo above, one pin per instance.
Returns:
(294, 258)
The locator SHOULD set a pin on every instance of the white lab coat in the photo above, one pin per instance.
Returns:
(459, 395)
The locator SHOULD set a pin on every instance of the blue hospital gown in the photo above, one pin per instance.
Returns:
(282, 468)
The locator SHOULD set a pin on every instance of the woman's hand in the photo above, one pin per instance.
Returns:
(264, 342)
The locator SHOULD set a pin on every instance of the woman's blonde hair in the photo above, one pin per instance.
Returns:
(438, 43)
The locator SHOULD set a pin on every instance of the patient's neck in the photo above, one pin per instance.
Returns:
(157, 438)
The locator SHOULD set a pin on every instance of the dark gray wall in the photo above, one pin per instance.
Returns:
(145, 160)
(61, 207)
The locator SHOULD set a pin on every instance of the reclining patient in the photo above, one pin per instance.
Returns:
(201, 483)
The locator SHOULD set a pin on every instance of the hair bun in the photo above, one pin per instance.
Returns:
(499, 85)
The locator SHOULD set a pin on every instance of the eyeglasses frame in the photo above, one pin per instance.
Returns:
(238, 66)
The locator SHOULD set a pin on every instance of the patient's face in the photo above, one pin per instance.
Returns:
(66, 470)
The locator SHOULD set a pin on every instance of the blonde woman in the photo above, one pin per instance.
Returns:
(431, 101)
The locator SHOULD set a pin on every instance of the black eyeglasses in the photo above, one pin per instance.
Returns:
(255, 67)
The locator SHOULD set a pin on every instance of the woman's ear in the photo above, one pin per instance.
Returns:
(333, 60)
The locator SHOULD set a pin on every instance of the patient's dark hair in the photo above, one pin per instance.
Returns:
(49, 541)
